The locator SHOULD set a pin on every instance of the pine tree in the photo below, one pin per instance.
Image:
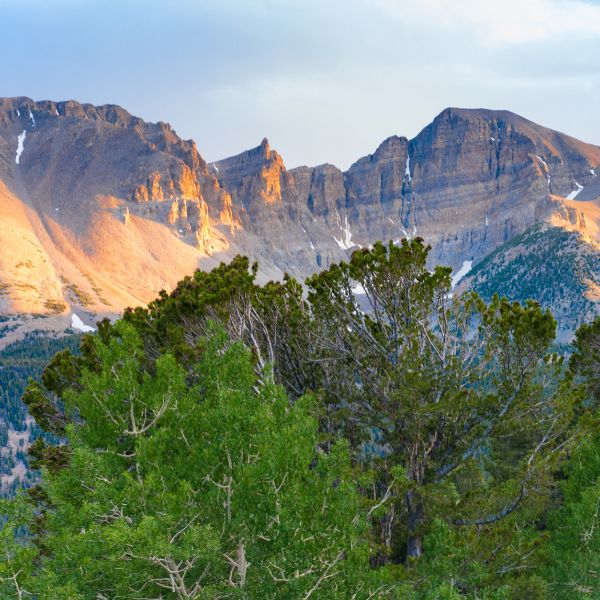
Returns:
(458, 403)
(572, 556)
(212, 491)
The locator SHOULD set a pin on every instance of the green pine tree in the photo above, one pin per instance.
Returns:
(217, 490)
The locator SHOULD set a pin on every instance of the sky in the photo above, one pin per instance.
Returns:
(324, 80)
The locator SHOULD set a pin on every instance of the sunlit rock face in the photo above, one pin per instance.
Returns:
(119, 208)
(114, 208)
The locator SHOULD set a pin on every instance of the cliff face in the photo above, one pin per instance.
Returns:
(490, 175)
(74, 153)
(470, 181)
(118, 208)
(101, 210)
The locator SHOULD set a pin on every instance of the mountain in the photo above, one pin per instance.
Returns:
(550, 264)
(100, 209)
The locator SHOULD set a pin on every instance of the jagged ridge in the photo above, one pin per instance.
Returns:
(114, 208)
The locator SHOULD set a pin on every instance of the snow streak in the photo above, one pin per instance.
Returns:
(20, 145)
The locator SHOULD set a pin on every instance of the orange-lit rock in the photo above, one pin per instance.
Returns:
(140, 193)
(226, 215)
(173, 214)
(186, 184)
(154, 188)
(183, 209)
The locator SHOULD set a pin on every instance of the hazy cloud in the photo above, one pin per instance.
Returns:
(503, 23)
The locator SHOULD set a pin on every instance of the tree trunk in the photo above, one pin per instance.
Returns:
(386, 528)
(414, 506)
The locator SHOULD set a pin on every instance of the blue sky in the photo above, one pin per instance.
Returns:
(325, 81)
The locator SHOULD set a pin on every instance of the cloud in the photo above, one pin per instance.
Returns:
(502, 23)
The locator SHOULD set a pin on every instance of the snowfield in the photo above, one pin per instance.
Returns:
(466, 267)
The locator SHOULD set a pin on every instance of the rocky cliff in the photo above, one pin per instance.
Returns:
(111, 208)
(100, 210)
(470, 181)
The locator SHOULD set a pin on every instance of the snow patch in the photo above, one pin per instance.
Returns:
(466, 267)
(345, 243)
(390, 220)
(312, 246)
(31, 117)
(407, 170)
(545, 167)
(77, 323)
(492, 139)
(18, 113)
(574, 193)
(20, 145)
(593, 172)
(406, 235)
(56, 112)
(358, 289)
(215, 167)
(487, 221)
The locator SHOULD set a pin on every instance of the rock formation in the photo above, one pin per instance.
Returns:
(101, 210)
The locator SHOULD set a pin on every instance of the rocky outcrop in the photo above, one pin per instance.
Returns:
(122, 207)
(469, 182)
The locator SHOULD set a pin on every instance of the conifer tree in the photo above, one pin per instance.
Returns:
(217, 490)
(460, 405)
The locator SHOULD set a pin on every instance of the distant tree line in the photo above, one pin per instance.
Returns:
(21, 362)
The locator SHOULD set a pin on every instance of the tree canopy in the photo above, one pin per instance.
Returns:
(369, 435)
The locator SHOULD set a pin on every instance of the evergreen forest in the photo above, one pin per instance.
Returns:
(234, 440)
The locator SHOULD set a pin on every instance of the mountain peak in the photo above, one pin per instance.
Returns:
(263, 151)
(477, 113)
